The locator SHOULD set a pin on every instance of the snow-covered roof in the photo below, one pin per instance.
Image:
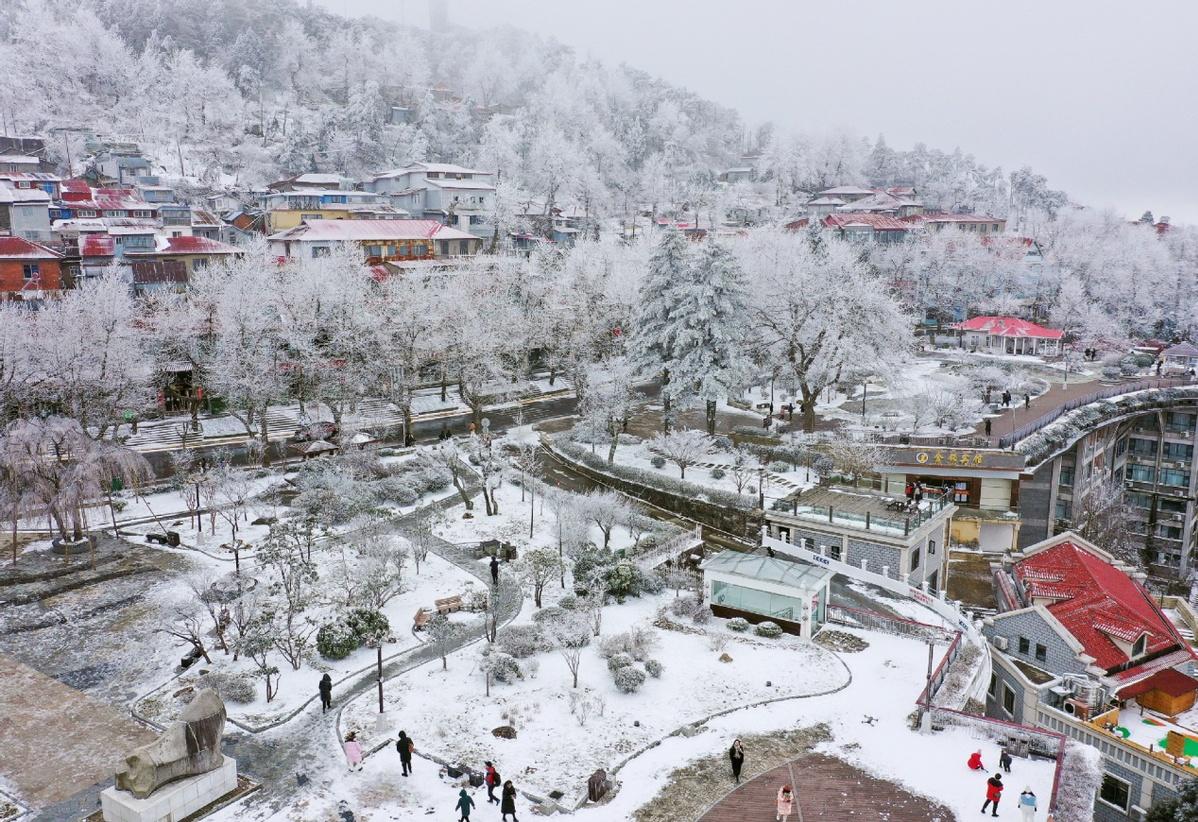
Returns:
(832, 201)
(843, 190)
(367, 230)
(1009, 327)
(466, 184)
(23, 195)
(1183, 349)
(436, 168)
(19, 248)
(768, 569)
(321, 179)
(188, 245)
(19, 159)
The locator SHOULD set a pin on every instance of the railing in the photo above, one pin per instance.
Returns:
(1008, 440)
(673, 547)
(887, 624)
(867, 521)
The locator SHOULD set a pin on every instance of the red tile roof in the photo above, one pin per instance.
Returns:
(196, 245)
(879, 222)
(1103, 604)
(1169, 681)
(952, 218)
(20, 248)
(1009, 327)
(95, 245)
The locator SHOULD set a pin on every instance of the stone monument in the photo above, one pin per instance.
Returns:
(179, 772)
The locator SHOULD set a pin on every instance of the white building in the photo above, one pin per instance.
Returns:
(456, 196)
(762, 588)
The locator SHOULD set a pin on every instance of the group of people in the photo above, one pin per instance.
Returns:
(1027, 803)
(785, 805)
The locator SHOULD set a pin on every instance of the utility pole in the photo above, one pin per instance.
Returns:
(925, 725)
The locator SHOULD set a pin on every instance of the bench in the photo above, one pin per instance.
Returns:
(448, 605)
(421, 619)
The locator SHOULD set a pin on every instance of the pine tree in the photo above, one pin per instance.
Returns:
(654, 339)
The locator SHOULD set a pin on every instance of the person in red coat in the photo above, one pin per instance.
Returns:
(492, 780)
(993, 793)
(975, 761)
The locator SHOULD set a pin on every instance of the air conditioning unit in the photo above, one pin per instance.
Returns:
(1000, 642)
(1078, 709)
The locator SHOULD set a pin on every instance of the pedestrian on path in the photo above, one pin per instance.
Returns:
(353, 751)
(508, 805)
(1028, 805)
(326, 693)
(492, 780)
(737, 754)
(993, 794)
(1158, 369)
(494, 570)
(1004, 761)
(465, 803)
(975, 761)
(909, 491)
(988, 389)
(918, 493)
(471, 428)
(1006, 398)
(405, 746)
(1027, 400)
(765, 423)
(786, 803)
(987, 425)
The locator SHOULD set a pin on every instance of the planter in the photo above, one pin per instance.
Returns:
(71, 548)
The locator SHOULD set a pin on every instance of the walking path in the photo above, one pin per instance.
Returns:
(826, 788)
(1047, 406)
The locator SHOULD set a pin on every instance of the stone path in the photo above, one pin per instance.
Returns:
(827, 789)
(51, 755)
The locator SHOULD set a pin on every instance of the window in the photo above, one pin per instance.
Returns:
(1142, 448)
(87, 212)
(419, 250)
(1178, 451)
(374, 251)
(1138, 500)
(993, 689)
(1024, 645)
(1169, 531)
(1175, 478)
(1175, 421)
(1176, 506)
(31, 271)
(1140, 646)
(1115, 792)
(1062, 509)
(931, 546)
(199, 263)
(310, 217)
(1041, 652)
(914, 558)
(1008, 700)
(1141, 473)
(1066, 475)
(320, 251)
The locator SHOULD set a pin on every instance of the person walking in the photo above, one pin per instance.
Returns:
(1006, 398)
(492, 780)
(975, 761)
(1158, 368)
(495, 570)
(508, 805)
(909, 490)
(918, 493)
(1004, 761)
(326, 692)
(405, 746)
(786, 803)
(465, 803)
(1027, 400)
(737, 755)
(993, 794)
(986, 424)
(353, 751)
(1028, 805)
(988, 389)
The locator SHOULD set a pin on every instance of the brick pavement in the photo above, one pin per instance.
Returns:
(828, 789)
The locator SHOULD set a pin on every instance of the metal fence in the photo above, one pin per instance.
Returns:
(887, 624)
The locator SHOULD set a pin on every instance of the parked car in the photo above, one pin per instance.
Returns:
(314, 431)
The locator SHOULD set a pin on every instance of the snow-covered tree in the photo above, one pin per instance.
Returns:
(684, 447)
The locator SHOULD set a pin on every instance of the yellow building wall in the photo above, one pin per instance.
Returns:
(282, 219)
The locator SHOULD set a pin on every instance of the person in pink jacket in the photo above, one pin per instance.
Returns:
(353, 751)
(786, 803)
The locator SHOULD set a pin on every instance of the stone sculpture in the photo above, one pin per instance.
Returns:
(188, 747)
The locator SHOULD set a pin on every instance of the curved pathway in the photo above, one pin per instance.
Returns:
(826, 788)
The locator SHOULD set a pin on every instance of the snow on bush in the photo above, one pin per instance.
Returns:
(368, 624)
(637, 642)
(549, 614)
(779, 467)
(1081, 777)
(502, 667)
(768, 629)
(718, 473)
(522, 641)
(628, 679)
(654, 668)
(738, 624)
(236, 688)
(336, 640)
(657, 461)
(690, 607)
(568, 601)
(620, 660)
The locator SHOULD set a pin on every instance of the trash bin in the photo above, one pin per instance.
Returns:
(172, 539)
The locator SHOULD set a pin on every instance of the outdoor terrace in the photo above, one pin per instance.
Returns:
(873, 512)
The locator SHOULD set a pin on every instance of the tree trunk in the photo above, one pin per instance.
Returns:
(711, 417)
(665, 401)
(264, 433)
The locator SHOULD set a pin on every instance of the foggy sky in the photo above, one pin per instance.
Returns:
(1099, 96)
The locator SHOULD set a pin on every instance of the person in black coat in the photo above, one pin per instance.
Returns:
(326, 693)
(737, 755)
(1004, 761)
(508, 805)
(405, 746)
(495, 570)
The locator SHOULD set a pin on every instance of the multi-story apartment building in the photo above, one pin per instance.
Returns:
(870, 530)
(1081, 648)
(1152, 455)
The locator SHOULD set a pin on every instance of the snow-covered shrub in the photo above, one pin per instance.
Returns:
(549, 614)
(620, 660)
(336, 640)
(523, 640)
(568, 601)
(770, 630)
(654, 668)
(721, 443)
(502, 667)
(637, 642)
(738, 624)
(779, 467)
(1111, 372)
(396, 490)
(718, 473)
(628, 679)
(623, 581)
(1081, 777)
(367, 623)
(236, 688)
(531, 667)
(657, 461)
(691, 607)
